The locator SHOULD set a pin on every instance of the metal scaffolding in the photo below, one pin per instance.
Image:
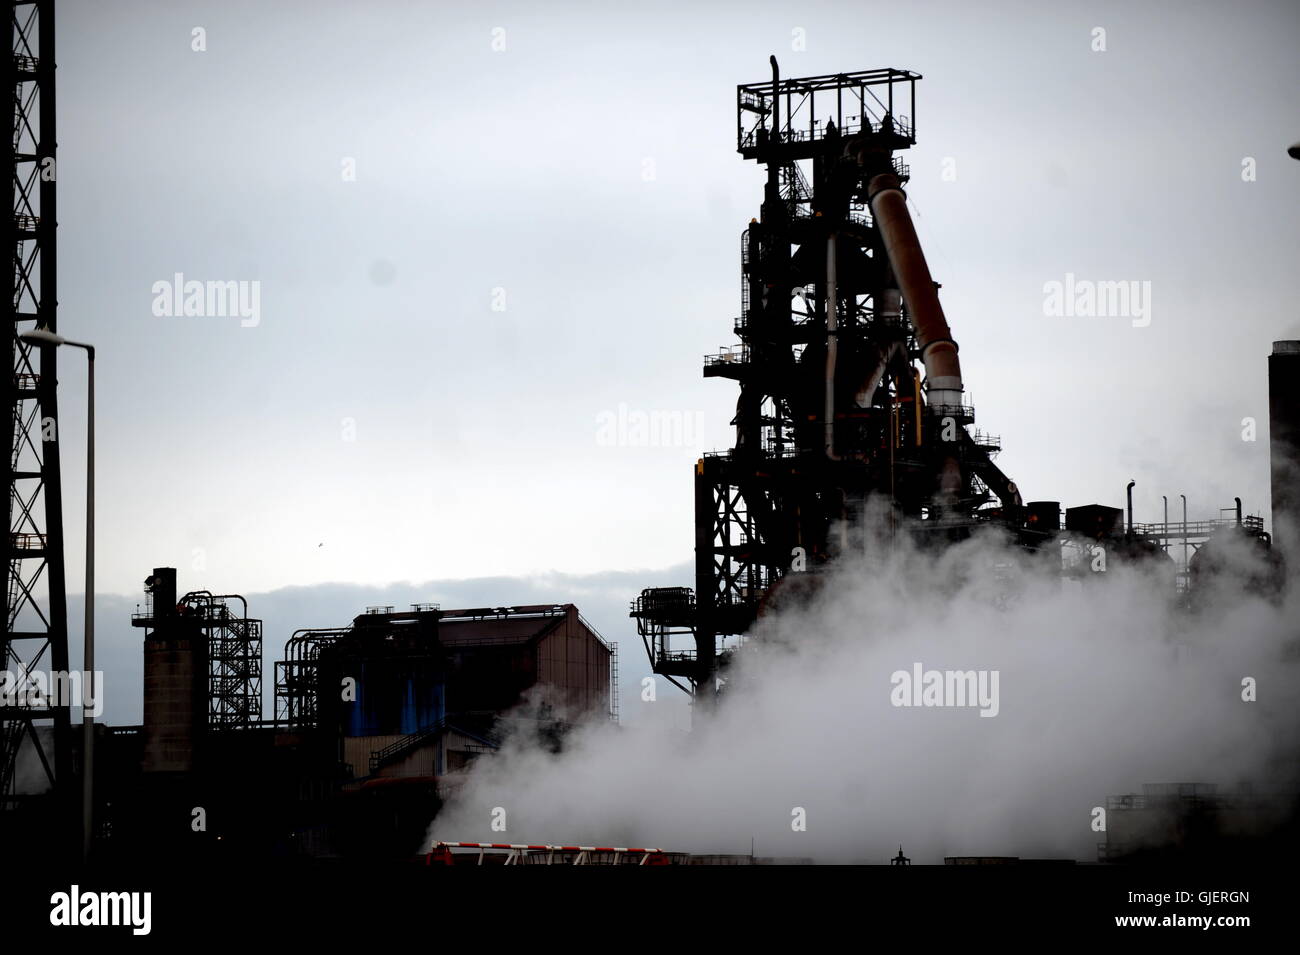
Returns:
(36, 625)
(296, 681)
(233, 652)
(234, 659)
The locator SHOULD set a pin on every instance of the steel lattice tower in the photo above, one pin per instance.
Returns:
(834, 421)
(36, 625)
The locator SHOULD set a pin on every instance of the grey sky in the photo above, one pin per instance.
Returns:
(476, 453)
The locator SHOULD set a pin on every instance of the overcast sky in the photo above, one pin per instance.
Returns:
(383, 425)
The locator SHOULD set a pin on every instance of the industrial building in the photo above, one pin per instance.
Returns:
(374, 722)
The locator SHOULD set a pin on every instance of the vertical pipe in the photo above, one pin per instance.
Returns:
(1164, 531)
(1130, 507)
(772, 194)
(87, 714)
(912, 118)
(832, 349)
(916, 403)
(893, 498)
(832, 354)
(1186, 565)
(706, 513)
(1238, 500)
(776, 97)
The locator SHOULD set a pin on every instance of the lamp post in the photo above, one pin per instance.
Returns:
(47, 338)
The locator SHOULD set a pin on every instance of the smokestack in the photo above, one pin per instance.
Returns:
(1284, 435)
(175, 679)
(1129, 494)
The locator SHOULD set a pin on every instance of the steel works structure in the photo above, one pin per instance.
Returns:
(837, 309)
(36, 624)
(202, 670)
(412, 670)
(376, 722)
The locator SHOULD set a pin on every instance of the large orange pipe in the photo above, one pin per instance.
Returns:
(938, 350)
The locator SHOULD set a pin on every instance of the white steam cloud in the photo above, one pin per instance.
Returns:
(1104, 686)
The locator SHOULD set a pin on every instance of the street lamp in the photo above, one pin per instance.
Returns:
(45, 337)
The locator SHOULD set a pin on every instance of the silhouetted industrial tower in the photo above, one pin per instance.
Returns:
(837, 304)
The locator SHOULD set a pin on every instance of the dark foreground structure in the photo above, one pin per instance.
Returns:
(1200, 823)
(375, 722)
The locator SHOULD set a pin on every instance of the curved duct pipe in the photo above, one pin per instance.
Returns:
(992, 475)
(868, 390)
(938, 350)
(889, 309)
(210, 598)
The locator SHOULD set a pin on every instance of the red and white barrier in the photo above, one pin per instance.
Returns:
(440, 853)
